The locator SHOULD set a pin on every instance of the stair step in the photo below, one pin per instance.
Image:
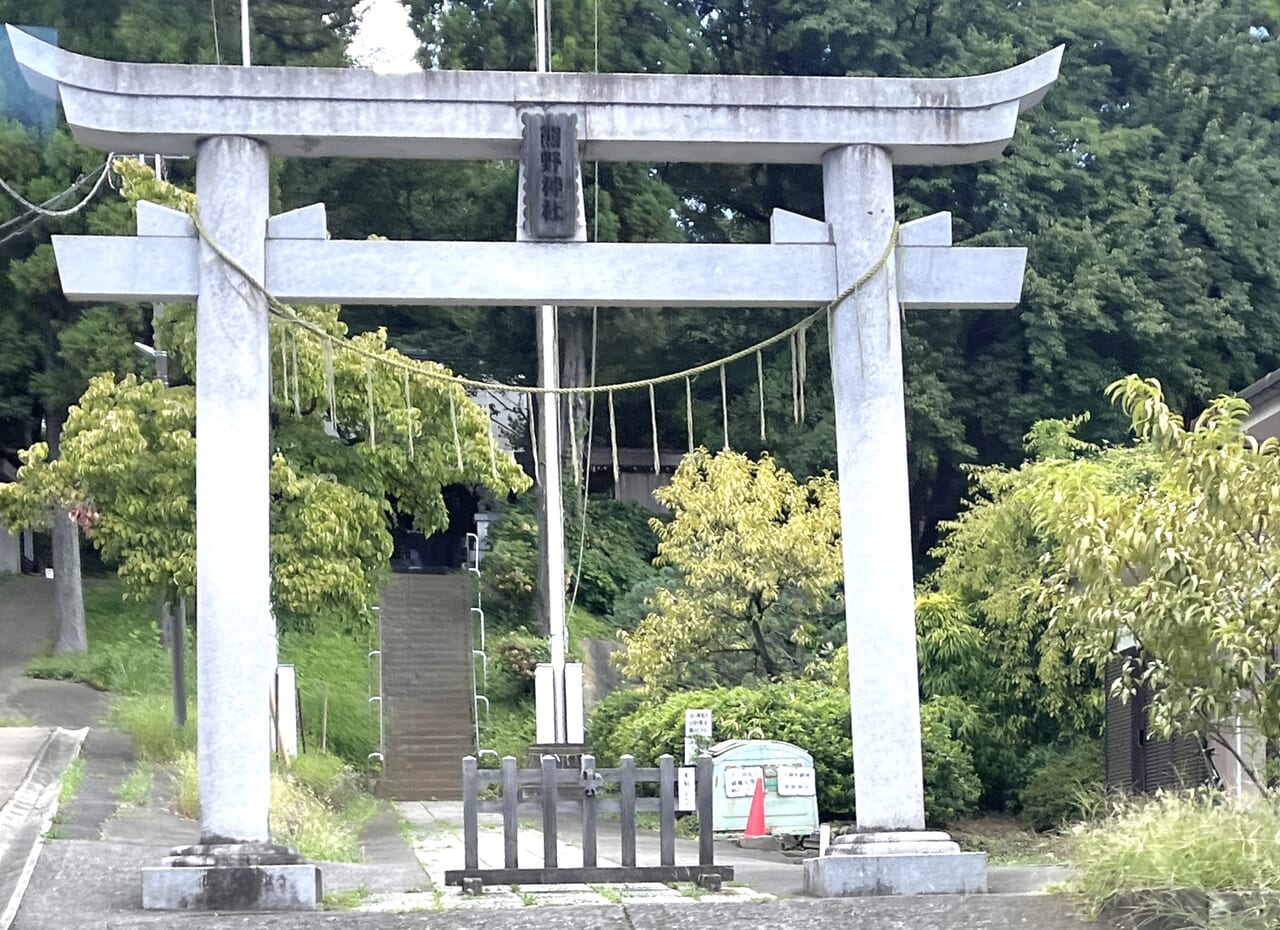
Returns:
(428, 678)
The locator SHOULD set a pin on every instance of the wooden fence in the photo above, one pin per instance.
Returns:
(578, 791)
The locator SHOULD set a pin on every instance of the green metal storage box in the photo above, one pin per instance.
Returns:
(790, 786)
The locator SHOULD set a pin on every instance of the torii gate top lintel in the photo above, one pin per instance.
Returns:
(315, 112)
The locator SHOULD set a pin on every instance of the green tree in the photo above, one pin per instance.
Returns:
(382, 432)
(1187, 566)
(1168, 541)
(759, 565)
(52, 346)
(56, 346)
(986, 636)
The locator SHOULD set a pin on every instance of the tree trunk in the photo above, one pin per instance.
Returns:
(762, 647)
(67, 591)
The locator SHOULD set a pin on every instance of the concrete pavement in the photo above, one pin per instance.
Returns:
(28, 626)
(30, 802)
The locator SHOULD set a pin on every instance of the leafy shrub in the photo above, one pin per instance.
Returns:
(812, 715)
(609, 715)
(951, 786)
(636, 602)
(1063, 787)
(513, 659)
(618, 553)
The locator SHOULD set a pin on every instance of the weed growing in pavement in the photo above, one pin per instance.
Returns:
(136, 787)
(344, 900)
(72, 779)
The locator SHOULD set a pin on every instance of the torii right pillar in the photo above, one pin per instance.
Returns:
(891, 852)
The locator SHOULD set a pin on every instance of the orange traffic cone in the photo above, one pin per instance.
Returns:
(756, 835)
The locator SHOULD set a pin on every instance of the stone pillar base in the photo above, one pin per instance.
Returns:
(232, 877)
(914, 862)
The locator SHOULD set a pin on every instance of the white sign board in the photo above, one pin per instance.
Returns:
(544, 704)
(286, 722)
(740, 780)
(575, 729)
(797, 781)
(697, 732)
(686, 789)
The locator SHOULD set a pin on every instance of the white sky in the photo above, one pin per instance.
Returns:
(384, 41)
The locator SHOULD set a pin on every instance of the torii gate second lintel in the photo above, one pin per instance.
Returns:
(857, 128)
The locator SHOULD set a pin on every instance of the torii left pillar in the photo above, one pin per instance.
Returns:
(235, 866)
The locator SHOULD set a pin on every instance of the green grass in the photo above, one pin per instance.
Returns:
(16, 720)
(315, 824)
(125, 655)
(338, 666)
(612, 895)
(186, 785)
(72, 779)
(318, 806)
(405, 826)
(148, 718)
(1200, 841)
(345, 900)
(583, 624)
(136, 787)
(686, 825)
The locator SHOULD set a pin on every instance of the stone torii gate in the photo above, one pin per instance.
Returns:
(232, 119)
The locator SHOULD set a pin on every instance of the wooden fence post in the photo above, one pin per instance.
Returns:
(589, 811)
(667, 808)
(706, 838)
(628, 811)
(510, 813)
(550, 795)
(470, 812)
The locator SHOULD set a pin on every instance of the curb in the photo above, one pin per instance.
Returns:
(28, 815)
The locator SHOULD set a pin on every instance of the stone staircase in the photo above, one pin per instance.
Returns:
(427, 685)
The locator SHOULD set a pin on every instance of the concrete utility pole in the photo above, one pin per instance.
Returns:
(552, 522)
(245, 55)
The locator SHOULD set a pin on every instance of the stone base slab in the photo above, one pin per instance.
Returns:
(232, 888)
(834, 876)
